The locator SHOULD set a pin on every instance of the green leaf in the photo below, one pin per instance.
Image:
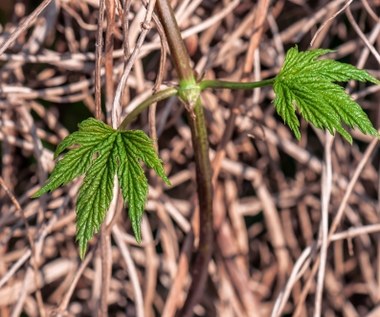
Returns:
(95, 194)
(307, 84)
(91, 134)
(101, 153)
(138, 147)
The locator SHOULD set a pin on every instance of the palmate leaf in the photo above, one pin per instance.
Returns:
(100, 153)
(307, 84)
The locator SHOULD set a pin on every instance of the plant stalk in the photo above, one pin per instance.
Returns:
(180, 56)
(190, 96)
(205, 195)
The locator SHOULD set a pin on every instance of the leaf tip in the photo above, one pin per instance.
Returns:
(136, 228)
(138, 238)
(137, 232)
(167, 181)
(348, 138)
(56, 153)
(375, 133)
(297, 134)
(82, 248)
(38, 193)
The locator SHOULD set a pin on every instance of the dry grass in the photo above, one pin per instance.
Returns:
(272, 255)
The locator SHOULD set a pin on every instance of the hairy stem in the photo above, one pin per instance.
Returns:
(180, 56)
(205, 193)
(197, 123)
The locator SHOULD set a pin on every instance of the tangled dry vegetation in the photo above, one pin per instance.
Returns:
(272, 198)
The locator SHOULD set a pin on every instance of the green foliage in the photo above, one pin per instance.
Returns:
(306, 83)
(101, 153)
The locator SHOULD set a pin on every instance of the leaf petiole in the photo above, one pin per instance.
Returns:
(204, 84)
(161, 95)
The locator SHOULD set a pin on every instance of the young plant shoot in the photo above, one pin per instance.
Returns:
(305, 83)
